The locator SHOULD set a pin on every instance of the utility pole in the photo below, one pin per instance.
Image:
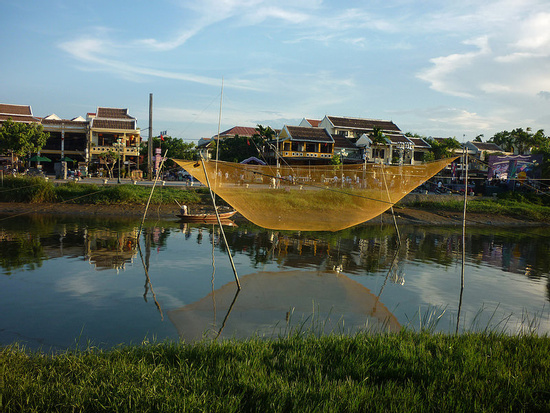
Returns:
(150, 141)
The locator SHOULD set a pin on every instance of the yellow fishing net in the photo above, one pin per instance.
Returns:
(311, 198)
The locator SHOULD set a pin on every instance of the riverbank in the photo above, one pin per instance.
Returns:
(407, 371)
(21, 196)
(404, 214)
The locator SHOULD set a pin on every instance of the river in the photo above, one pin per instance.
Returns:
(70, 282)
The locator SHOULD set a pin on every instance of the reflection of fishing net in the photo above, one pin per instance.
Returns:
(311, 198)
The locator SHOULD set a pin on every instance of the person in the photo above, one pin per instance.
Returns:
(184, 210)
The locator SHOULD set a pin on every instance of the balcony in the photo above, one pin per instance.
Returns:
(304, 154)
(127, 150)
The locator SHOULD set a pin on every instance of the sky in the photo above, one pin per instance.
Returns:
(435, 67)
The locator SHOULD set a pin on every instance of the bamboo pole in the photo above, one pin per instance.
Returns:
(463, 237)
(221, 226)
(151, 194)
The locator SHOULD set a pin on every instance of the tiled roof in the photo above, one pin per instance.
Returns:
(487, 146)
(314, 122)
(300, 133)
(17, 113)
(395, 138)
(343, 142)
(240, 130)
(7, 109)
(120, 124)
(363, 124)
(113, 113)
(18, 118)
(420, 143)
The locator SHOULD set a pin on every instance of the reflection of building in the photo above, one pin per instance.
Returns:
(109, 250)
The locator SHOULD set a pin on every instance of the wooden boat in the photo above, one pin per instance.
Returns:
(206, 218)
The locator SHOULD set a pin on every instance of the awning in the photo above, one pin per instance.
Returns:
(37, 158)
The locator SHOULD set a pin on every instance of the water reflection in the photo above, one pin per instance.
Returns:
(274, 303)
(98, 276)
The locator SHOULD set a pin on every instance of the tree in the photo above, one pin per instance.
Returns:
(265, 132)
(504, 140)
(239, 148)
(377, 137)
(443, 148)
(336, 160)
(176, 148)
(109, 158)
(543, 148)
(519, 140)
(22, 138)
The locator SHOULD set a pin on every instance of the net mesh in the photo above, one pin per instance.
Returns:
(311, 198)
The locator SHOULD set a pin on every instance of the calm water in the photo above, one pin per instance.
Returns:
(68, 281)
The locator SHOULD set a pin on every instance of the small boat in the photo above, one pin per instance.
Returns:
(207, 218)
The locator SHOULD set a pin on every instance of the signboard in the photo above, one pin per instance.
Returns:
(515, 167)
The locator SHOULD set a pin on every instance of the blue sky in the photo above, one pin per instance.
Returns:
(436, 68)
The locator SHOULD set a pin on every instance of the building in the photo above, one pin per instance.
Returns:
(113, 129)
(68, 139)
(310, 123)
(80, 141)
(300, 145)
(354, 143)
(242, 131)
(205, 145)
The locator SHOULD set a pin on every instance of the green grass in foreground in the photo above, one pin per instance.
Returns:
(408, 371)
(34, 190)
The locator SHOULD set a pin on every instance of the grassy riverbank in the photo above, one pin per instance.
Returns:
(408, 371)
(37, 190)
(527, 207)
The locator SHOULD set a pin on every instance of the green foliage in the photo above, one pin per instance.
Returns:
(265, 132)
(35, 190)
(522, 141)
(443, 148)
(175, 148)
(22, 251)
(377, 137)
(22, 138)
(383, 372)
(27, 189)
(529, 207)
(239, 148)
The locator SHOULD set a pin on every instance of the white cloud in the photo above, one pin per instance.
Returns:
(513, 57)
(442, 76)
(534, 33)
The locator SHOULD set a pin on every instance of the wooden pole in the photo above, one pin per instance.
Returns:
(212, 195)
(150, 141)
(465, 157)
(151, 194)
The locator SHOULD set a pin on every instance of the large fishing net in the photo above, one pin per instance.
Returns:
(311, 198)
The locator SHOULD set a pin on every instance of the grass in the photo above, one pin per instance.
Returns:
(36, 190)
(517, 207)
(407, 371)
